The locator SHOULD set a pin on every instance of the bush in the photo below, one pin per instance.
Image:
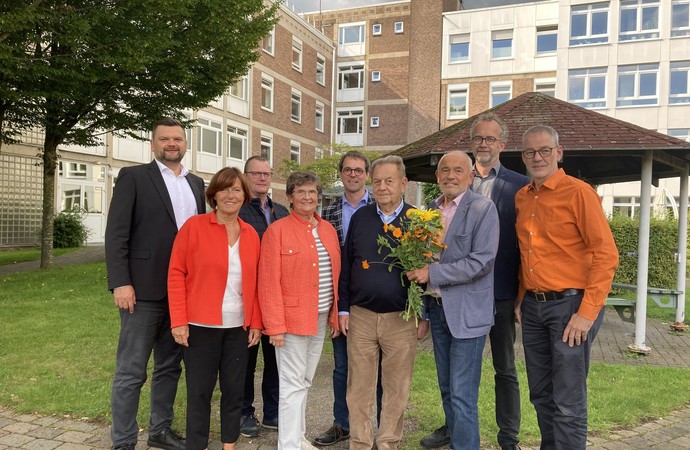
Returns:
(663, 242)
(69, 229)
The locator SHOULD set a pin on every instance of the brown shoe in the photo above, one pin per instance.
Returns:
(334, 435)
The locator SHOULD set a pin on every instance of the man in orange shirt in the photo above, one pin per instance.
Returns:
(568, 259)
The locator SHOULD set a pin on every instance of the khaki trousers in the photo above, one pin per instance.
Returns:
(397, 340)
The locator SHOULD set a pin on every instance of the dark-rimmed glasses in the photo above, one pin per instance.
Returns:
(543, 152)
(490, 140)
(357, 171)
(259, 174)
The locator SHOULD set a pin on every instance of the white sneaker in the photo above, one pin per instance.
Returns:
(306, 445)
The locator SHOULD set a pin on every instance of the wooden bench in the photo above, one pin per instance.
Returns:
(625, 307)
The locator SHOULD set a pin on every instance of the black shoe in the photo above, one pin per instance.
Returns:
(438, 438)
(168, 439)
(510, 447)
(125, 447)
(271, 424)
(249, 426)
(333, 435)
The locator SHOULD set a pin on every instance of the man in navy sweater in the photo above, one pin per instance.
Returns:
(371, 299)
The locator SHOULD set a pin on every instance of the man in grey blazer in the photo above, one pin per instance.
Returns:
(150, 203)
(461, 311)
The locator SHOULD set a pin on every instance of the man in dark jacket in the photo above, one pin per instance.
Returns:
(260, 212)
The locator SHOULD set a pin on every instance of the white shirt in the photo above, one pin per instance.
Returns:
(181, 195)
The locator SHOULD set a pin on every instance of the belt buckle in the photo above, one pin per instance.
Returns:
(540, 297)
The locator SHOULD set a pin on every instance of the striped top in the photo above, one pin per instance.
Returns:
(325, 275)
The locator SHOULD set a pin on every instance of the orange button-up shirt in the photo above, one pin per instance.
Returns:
(565, 241)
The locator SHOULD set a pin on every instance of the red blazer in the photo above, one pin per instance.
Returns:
(289, 275)
(198, 272)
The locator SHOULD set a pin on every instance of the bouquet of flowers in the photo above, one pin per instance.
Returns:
(412, 246)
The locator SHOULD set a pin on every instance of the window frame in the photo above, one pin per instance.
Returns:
(321, 69)
(639, 6)
(463, 40)
(683, 97)
(350, 69)
(551, 30)
(399, 28)
(540, 83)
(500, 86)
(266, 142)
(342, 33)
(682, 30)
(267, 86)
(374, 122)
(349, 114)
(296, 101)
(375, 76)
(319, 106)
(233, 131)
(589, 10)
(244, 81)
(501, 36)
(208, 124)
(376, 29)
(638, 71)
(588, 74)
(297, 47)
(272, 42)
(295, 150)
(461, 91)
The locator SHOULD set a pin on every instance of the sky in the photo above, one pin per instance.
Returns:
(313, 5)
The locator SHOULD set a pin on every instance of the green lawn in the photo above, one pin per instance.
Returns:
(30, 254)
(59, 336)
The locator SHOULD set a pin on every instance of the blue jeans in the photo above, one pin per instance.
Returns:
(341, 415)
(459, 368)
(145, 330)
(557, 373)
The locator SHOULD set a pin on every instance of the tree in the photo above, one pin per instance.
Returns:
(77, 69)
(326, 167)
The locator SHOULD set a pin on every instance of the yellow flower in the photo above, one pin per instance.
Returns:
(397, 233)
(365, 264)
(385, 227)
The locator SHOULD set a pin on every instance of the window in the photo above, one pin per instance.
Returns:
(376, 29)
(296, 106)
(545, 86)
(268, 41)
(351, 34)
(680, 18)
(679, 91)
(320, 69)
(589, 24)
(267, 93)
(296, 54)
(375, 75)
(318, 153)
(680, 133)
(639, 19)
(398, 27)
(626, 206)
(587, 87)
(547, 40)
(237, 143)
(457, 101)
(459, 50)
(209, 138)
(74, 170)
(350, 122)
(239, 88)
(637, 85)
(351, 77)
(374, 122)
(267, 145)
(500, 92)
(318, 120)
(502, 44)
(295, 148)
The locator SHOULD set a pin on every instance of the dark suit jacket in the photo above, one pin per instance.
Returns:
(507, 265)
(141, 229)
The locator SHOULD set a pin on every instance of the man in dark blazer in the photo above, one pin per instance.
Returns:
(461, 312)
(150, 203)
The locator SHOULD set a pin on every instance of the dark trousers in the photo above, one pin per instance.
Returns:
(341, 415)
(145, 330)
(214, 353)
(507, 387)
(557, 373)
(269, 384)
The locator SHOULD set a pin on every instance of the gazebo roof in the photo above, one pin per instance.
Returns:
(597, 148)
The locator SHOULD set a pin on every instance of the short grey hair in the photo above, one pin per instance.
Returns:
(541, 129)
(395, 160)
(300, 178)
(490, 117)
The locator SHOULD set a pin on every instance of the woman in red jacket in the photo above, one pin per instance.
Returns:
(214, 309)
(299, 270)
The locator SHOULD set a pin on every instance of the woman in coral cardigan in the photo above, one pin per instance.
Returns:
(298, 282)
(214, 309)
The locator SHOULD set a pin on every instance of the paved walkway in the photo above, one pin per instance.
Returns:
(671, 349)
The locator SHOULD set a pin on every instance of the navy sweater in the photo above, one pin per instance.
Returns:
(375, 289)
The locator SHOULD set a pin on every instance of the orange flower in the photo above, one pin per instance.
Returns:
(428, 255)
(397, 233)
(365, 264)
(385, 227)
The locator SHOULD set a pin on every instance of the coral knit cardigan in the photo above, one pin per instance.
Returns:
(198, 272)
(289, 275)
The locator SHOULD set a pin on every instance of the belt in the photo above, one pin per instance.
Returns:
(541, 297)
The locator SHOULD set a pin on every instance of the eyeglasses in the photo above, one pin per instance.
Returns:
(490, 140)
(349, 170)
(303, 193)
(259, 174)
(543, 152)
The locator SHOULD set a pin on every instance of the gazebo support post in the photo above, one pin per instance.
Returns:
(679, 324)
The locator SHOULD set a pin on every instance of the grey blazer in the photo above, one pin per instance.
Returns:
(465, 273)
